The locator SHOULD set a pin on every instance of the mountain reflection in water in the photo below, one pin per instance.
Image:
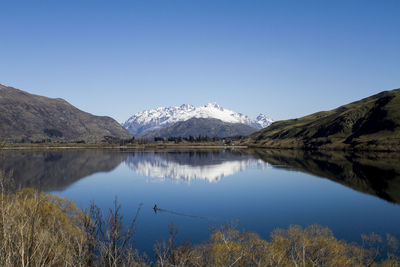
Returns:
(56, 170)
(377, 174)
(211, 166)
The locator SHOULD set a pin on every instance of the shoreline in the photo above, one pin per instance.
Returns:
(155, 146)
(167, 146)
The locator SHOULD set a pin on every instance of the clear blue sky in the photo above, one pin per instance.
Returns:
(282, 58)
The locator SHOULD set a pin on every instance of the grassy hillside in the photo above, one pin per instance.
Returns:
(372, 123)
(28, 117)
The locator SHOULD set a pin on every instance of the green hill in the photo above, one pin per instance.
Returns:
(27, 117)
(372, 123)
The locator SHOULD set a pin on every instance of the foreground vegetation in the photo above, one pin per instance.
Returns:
(45, 230)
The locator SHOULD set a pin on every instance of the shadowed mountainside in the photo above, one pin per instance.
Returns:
(27, 117)
(202, 126)
(56, 170)
(377, 174)
(372, 123)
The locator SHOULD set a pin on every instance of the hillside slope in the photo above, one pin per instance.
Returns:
(372, 123)
(204, 127)
(28, 117)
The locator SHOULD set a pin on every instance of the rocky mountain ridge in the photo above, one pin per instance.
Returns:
(156, 119)
(195, 127)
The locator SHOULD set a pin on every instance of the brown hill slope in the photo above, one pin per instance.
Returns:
(372, 123)
(28, 117)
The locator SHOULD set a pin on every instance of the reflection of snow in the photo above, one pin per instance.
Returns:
(162, 167)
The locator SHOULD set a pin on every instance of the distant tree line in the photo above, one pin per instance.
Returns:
(112, 140)
(116, 140)
(197, 139)
(53, 132)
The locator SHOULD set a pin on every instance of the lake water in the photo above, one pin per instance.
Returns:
(198, 190)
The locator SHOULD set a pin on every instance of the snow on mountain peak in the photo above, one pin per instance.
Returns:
(264, 120)
(161, 117)
(213, 105)
(187, 106)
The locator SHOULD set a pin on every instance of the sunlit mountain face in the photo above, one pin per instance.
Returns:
(210, 166)
(156, 119)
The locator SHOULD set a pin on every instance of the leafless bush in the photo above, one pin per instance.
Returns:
(168, 253)
(45, 230)
(110, 240)
(312, 246)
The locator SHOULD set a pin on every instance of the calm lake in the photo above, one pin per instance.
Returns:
(197, 190)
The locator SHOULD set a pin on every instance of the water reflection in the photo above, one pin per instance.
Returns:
(211, 166)
(377, 174)
(56, 170)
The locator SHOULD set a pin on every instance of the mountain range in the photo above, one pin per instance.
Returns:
(201, 127)
(372, 123)
(26, 117)
(149, 122)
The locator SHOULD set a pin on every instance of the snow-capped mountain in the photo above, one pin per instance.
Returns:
(263, 121)
(155, 119)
